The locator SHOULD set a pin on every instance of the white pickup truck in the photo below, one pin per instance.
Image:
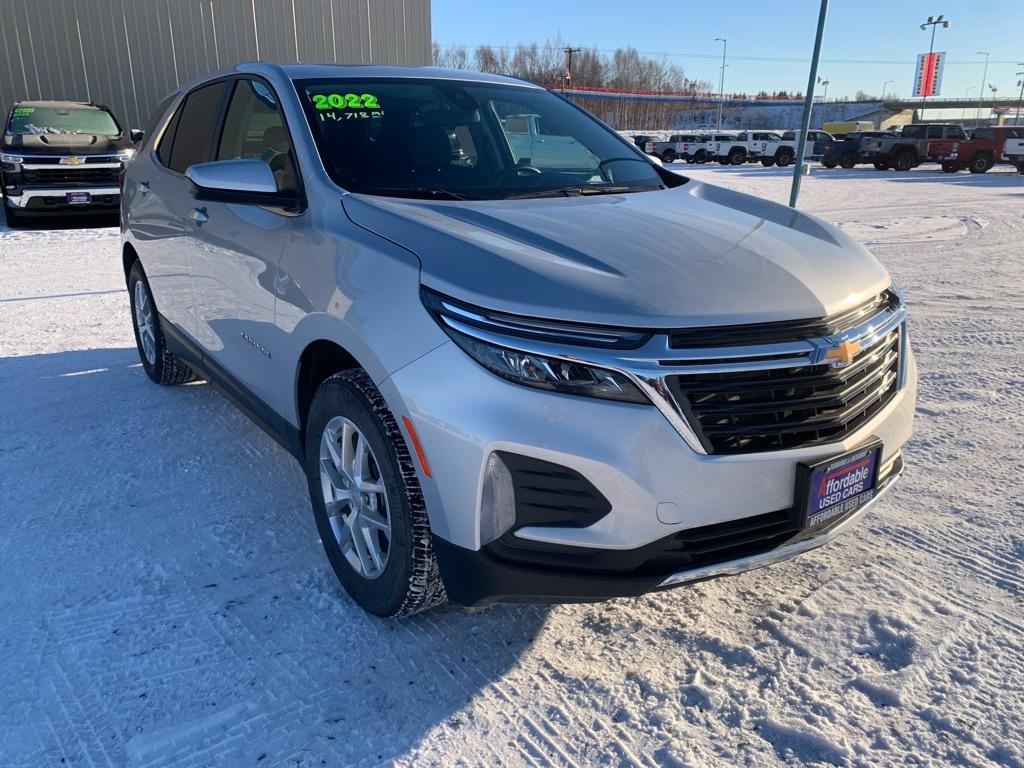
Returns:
(782, 151)
(1013, 151)
(691, 147)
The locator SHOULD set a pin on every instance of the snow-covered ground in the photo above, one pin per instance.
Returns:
(165, 601)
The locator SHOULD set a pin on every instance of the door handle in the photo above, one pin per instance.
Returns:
(199, 216)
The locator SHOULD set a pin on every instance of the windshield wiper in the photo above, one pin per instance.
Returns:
(579, 190)
(425, 193)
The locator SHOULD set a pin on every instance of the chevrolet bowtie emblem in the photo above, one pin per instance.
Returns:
(72, 160)
(843, 353)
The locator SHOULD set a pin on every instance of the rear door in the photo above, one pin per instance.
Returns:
(161, 203)
(236, 248)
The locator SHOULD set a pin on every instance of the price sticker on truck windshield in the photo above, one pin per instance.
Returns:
(346, 106)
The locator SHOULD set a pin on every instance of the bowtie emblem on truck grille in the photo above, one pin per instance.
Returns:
(842, 354)
(72, 160)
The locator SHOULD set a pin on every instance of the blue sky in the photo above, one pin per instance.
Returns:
(877, 40)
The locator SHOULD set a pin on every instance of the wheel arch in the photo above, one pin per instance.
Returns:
(319, 360)
(128, 257)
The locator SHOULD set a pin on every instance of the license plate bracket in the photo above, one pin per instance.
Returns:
(830, 489)
(79, 198)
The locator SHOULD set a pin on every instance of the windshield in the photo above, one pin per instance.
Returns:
(437, 138)
(29, 120)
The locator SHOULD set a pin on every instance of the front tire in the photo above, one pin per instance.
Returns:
(367, 501)
(950, 167)
(161, 365)
(904, 161)
(668, 156)
(881, 165)
(784, 160)
(848, 160)
(738, 158)
(768, 162)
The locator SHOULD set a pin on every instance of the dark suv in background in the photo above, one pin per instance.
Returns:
(61, 157)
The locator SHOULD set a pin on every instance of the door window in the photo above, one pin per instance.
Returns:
(194, 126)
(254, 128)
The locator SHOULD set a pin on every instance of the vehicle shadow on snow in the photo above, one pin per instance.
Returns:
(198, 597)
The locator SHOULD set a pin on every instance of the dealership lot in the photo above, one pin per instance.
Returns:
(173, 605)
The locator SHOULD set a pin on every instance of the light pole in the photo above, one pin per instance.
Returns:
(884, 85)
(967, 95)
(801, 145)
(721, 80)
(981, 92)
(933, 22)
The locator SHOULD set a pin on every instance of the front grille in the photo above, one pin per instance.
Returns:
(70, 176)
(780, 332)
(774, 409)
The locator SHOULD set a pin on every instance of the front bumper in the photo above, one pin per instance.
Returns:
(478, 578)
(655, 483)
(54, 199)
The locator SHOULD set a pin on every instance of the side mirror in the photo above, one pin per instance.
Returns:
(246, 180)
(136, 134)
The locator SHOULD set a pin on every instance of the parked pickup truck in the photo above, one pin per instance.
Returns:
(983, 150)
(845, 152)
(745, 147)
(1013, 151)
(691, 147)
(909, 148)
(530, 140)
(61, 157)
(781, 151)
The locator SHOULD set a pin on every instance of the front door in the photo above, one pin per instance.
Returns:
(236, 248)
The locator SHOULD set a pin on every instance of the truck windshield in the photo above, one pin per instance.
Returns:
(459, 140)
(29, 120)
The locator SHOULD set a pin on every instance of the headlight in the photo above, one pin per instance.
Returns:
(126, 155)
(557, 374)
(11, 159)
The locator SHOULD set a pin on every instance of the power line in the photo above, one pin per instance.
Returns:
(715, 57)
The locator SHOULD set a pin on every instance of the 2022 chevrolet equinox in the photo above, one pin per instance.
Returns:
(508, 373)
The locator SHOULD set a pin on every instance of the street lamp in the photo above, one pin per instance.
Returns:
(933, 22)
(1020, 99)
(883, 89)
(825, 82)
(721, 80)
(981, 93)
(967, 95)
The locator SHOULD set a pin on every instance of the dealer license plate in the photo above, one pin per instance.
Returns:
(79, 198)
(833, 488)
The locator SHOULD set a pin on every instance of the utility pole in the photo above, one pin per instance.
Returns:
(721, 80)
(967, 95)
(1020, 99)
(981, 92)
(798, 166)
(933, 22)
(567, 80)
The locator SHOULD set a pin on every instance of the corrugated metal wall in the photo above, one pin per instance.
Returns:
(129, 54)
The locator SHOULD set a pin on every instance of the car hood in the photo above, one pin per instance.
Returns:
(79, 143)
(689, 256)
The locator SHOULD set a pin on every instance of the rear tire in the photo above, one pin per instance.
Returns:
(979, 164)
(767, 162)
(829, 163)
(162, 366)
(848, 160)
(668, 156)
(881, 165)
(701, 156)
(950, 167)
(904, 161)
(738, 157)
(1020, 167)
(403, 577)
(784, 160)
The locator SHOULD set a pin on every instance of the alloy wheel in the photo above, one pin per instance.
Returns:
(355, 499)
(144, 322)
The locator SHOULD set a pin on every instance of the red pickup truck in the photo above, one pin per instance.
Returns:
(983, 150)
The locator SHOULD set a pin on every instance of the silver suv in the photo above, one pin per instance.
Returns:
(510, 375)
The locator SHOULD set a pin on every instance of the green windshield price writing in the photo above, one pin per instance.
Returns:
(24, 110)
(345, 101)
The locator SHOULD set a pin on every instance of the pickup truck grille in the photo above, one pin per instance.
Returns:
(749, 411)
(70, 176)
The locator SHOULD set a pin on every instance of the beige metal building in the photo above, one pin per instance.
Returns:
(129, 54)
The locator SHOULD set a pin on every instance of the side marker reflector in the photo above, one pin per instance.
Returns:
(416, 445)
